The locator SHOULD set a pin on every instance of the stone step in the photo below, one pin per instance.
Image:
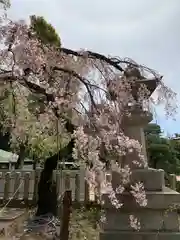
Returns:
(150, 220)
(153, 179)
(165, 199)
(115, 235)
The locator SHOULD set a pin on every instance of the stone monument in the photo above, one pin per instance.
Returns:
(159, 219)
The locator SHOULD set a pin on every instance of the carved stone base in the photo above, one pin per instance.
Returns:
(159, 219)
(153, 179)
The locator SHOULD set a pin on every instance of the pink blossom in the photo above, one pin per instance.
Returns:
(85, 88)
(134, 222)
(139, 194)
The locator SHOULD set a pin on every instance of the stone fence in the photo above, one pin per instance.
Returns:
(19, 188)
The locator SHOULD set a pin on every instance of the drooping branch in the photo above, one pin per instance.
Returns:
(109, 135)
(112, 61)
(35, 88)
(81, 79)
(51, 66)
(93, 55)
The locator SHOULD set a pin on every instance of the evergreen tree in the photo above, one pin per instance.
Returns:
(44, 31)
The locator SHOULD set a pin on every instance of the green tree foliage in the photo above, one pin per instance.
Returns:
(27, 131)
(162, 152)
(153, 129)
(44, 31)
(175, 142)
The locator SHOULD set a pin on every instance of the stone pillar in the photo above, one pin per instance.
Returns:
(158, 221)
(134, 125)
(137, 133)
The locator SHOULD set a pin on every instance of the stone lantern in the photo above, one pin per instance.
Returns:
(155, 223)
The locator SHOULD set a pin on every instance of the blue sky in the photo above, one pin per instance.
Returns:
(147, 31)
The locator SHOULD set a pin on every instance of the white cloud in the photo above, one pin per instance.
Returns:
(147, 31)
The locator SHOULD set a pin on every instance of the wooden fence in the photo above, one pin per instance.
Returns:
(19, 188)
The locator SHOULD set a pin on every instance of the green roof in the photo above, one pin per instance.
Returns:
(6, 157)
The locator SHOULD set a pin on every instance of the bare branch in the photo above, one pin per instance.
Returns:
(94, 55)
(112, 61)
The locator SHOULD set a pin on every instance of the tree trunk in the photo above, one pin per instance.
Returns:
(20, 161)
(4, 140)
(67, 207)
(34, 163)
(47, 196)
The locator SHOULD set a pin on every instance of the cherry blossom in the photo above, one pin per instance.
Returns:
(94, 91)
